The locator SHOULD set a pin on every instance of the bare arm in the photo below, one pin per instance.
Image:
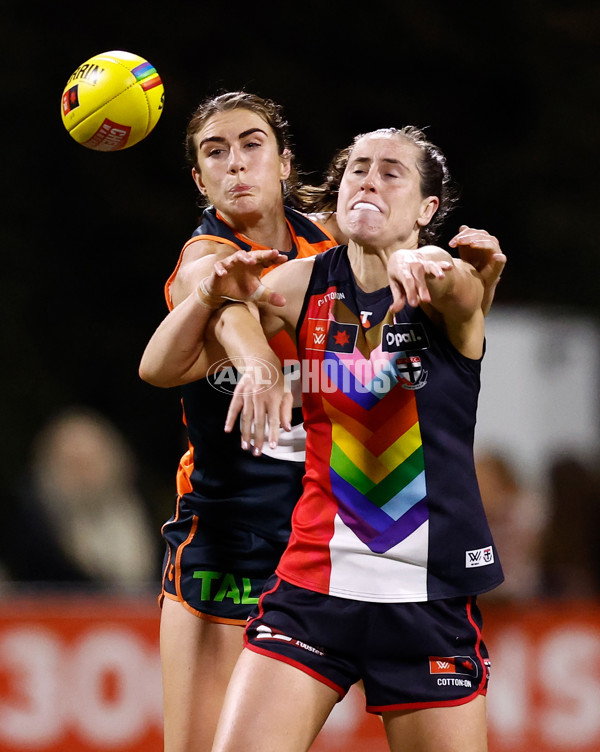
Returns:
(197, 262)
(244, 339)
(175, 353)
(482, 250)
(449, 290)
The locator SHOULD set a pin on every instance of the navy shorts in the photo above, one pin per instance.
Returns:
(409, 655)
(217, 571)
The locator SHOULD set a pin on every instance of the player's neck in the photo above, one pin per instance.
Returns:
(369, 267)
(269, 230)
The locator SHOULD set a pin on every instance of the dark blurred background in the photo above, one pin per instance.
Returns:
(511, 92)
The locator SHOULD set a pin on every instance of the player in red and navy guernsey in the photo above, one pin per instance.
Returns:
(389, 453)
(390, 545)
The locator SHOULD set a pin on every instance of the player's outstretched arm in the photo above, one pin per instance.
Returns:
(481, 250)
(260, 400)
(245, 340)
(175, 353)
(448, 289)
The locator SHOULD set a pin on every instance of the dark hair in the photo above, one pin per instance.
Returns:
(432, 167)
(267, 109)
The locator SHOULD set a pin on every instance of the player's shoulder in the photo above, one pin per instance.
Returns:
(293, 273)
(200, 247)
(195, 262)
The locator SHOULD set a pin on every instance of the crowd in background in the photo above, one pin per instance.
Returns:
(77, 518)
(548, 537)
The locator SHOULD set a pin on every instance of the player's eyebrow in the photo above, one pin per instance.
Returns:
(221, 140)
(387, 160)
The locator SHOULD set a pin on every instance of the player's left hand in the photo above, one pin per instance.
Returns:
(482, 251)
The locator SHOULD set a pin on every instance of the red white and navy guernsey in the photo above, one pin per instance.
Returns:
(391, 517)
(232, 517)
(391, 509)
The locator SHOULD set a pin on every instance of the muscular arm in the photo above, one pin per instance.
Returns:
(239, 332)
(197, 262)
(449, 290)
(176, 352)
(172, 353)
(244, 337)
(482, 251)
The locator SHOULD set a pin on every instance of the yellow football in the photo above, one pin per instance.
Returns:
(112, 101)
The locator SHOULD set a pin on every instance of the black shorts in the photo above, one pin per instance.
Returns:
(409, 655)
(217, 572)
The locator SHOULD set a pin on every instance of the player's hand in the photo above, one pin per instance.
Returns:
(481, 250)
(263, 403)
(408, 272)
(237, 277)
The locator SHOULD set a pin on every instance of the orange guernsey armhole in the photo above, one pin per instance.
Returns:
(169, 282)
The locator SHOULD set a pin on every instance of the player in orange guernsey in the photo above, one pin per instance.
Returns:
(228, 529)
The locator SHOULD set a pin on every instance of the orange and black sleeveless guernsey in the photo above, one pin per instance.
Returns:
(233, 510)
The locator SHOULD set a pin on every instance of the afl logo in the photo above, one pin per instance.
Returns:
(231, 374)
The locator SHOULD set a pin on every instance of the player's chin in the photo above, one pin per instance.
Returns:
(247, 207)
(367, 234)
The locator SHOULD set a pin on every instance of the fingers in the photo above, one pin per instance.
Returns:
(263, 294)
(274, 424)
(409, 279)
(279, 414)
(261, 411)
(253, 426)
(275, 298)
(224, 266)
(267, 258)
(408, 273)
(249, 258)
(235, 407)
(251, 413)
(237, 277)
(398, 297)
(271, 257)
(285, 411)
(269, 421)
(469, 236)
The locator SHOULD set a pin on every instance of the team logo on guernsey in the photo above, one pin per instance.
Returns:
(411, 374)
(331, 336)
(364, 319)
(404, 337)
(480, 557)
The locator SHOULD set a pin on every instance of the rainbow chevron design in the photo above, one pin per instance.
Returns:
(146, 75)
(377, 470)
